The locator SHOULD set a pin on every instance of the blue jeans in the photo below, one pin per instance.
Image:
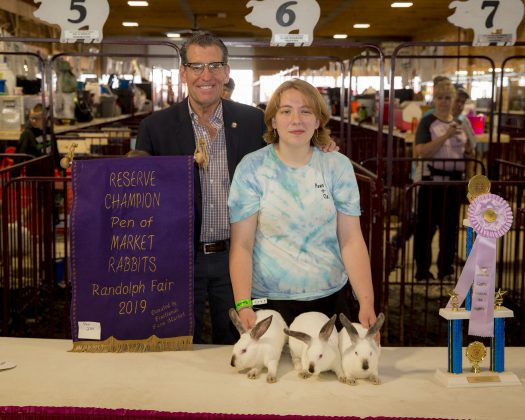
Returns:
(212, 281)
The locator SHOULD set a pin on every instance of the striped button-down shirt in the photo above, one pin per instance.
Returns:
(215, 180)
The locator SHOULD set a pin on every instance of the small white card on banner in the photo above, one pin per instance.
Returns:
(89, 330)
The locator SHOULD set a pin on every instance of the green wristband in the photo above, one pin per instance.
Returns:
(245, 303)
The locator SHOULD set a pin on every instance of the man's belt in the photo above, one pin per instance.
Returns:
(213, 247)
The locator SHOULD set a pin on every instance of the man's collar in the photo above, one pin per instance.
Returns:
(216, 115)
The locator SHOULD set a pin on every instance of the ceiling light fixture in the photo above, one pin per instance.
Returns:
(173, 35)
(130, 24)
(402, 4)
(361, 25)
(138, 3)
(340, 36)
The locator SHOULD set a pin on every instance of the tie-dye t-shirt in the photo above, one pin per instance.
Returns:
(296, 253)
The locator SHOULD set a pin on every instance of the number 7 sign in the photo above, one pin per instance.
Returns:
(494, 22)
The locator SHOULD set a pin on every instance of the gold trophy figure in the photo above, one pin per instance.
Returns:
(454, 300)
(476, 352)
(498, 299)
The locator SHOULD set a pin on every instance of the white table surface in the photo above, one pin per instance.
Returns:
(202, 380)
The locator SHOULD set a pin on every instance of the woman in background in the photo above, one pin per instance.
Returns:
(440, 136)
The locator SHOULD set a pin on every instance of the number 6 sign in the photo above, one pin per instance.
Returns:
(78, 19)
(494, 22)
(285, 16)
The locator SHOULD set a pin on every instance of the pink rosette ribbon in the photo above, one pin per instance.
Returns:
(491, 217)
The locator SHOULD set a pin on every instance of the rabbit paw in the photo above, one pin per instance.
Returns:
(375, 380)
(252, 374)
(271, 379)
(351, 381)
(341, 379)
(304, 374)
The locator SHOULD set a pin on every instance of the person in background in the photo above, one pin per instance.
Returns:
(397, 241)
(435, 82)
(227, 90)
(223, 131)
(438, 135)
(296, 238)
(31, 140)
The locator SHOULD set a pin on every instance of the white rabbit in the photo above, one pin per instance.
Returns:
(359, 351)
(314, 345)
(260, 346)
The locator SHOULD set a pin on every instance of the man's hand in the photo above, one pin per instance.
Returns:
(330, 147)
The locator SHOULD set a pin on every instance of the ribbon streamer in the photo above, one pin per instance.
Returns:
(480, 270)
(491, 217)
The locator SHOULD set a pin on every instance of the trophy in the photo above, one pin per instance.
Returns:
(489, 217)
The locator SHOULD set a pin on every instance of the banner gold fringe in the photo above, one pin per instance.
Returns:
(151, 344)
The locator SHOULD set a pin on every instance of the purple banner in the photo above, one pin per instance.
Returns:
(132, 254)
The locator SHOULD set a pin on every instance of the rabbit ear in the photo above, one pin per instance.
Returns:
(234, 316)
(260, 328)
(305, 338)
(349, 327)
(377, 325)
(327, 329)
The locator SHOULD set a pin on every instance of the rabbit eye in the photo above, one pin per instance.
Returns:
(356, 354)
(370, 353)
(243, 351)
(320, 356)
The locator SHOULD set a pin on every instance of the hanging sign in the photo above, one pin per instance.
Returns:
(283, 17)
(495, 22)
(79, 20)
(132, 254)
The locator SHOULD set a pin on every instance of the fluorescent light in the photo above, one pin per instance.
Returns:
(361, 25)
(173, 35)
(402, 4)
(130, 24)
(340, 36)
(138, 3)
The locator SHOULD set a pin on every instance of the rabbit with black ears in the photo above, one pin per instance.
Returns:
(260, 346)
(359, 350)
(314, 345)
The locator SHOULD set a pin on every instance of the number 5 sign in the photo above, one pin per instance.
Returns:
(283, 17)
(494, 22)
(78, 19)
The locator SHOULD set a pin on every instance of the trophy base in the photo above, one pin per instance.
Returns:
(476, 380)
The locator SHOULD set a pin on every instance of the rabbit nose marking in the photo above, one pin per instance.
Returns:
(311, 368)
(365, 364)
(233, 361)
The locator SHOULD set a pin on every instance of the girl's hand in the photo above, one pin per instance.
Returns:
(247, 317)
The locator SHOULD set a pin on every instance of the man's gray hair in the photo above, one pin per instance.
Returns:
(203, 39)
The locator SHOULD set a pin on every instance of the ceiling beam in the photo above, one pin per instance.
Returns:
(334, 13)
(187, 11)
(19, 8)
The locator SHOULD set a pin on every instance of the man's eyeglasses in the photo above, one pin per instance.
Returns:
(198, 68)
